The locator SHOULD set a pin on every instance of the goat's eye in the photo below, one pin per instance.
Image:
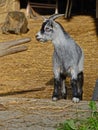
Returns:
(47, 29)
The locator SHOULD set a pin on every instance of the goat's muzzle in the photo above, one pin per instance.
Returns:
(38, 38)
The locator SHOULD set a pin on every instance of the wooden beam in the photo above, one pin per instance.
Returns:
(96, 8)
(16, 5)
(95, 93)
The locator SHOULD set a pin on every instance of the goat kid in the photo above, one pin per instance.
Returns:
(68, 59)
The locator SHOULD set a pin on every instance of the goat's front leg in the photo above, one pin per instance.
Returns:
(60, 89)
(56, 92)
(57, 83)
(63, 86)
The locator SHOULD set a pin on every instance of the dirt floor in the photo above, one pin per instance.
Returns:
(29, 74)
(39, 114)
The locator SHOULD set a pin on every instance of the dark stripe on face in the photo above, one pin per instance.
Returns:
(43, 26)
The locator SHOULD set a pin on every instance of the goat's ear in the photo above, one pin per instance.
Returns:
(54, 16)
(44, 18)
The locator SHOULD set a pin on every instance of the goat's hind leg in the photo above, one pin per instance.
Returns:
(75, 91)
(77, 85)
(80, 84)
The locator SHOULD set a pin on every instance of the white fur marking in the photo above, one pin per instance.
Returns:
(75, 100)
(54, 98)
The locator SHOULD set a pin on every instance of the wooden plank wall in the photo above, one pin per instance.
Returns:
(96, 8)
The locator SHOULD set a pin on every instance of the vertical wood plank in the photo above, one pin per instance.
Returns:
(96, 8)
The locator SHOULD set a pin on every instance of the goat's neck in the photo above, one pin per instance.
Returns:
(59, 39)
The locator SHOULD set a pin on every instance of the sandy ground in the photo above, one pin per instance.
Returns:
(39, 114)
(29, 74)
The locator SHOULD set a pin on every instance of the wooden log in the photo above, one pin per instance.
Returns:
(12, 47)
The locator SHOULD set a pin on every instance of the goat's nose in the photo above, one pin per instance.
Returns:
(36, 35)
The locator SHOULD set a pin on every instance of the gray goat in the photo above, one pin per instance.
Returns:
(68, 59)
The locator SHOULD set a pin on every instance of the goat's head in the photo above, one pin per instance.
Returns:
(48, 28)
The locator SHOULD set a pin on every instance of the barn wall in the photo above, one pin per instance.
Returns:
(6, 6)
(96, 8)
